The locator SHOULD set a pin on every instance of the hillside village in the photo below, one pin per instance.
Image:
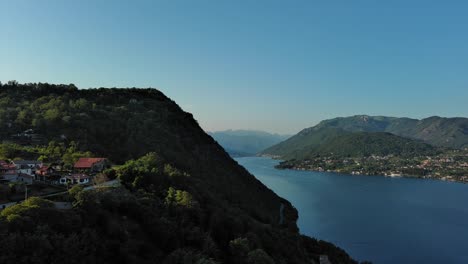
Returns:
(18, 175)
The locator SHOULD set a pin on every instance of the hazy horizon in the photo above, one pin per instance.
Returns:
(243, 65)
(291, 134)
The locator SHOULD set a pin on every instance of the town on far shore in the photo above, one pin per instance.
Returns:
(451, 165)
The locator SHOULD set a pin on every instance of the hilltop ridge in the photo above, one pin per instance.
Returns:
(449, 132)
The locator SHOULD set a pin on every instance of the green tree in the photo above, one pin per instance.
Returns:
(15, 211)
(180, 198)
(76, 192)
(52, 115)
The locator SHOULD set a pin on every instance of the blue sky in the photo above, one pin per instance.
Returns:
(278, 66)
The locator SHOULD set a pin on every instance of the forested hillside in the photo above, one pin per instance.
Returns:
(183, 200)
(437, 131)
(340, 143)
(362, 144)
(336, 136)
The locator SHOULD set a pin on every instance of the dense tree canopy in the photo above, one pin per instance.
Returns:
(340, 143)
(66, 154)
(169, 223)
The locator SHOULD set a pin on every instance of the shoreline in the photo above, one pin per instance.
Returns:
(376, 175)
(443, 178)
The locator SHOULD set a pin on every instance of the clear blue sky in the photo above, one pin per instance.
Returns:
(271, 65)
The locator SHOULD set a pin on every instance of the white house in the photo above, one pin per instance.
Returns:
(25, 178)
(28, 167)
(78, 178)
(10, 172)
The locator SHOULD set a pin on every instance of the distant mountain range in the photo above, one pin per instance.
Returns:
(437, 131)
(246, 142)
(365, 135)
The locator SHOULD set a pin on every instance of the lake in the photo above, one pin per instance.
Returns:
(375, 218)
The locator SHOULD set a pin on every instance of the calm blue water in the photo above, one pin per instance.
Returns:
(381, 219)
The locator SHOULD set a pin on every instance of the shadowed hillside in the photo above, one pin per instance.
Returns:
(185, 200)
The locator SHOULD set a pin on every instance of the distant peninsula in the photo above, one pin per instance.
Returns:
(433, 147)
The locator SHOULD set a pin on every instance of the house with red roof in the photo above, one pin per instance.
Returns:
(47, 174)
(91, 165)
(12, 173)
(8, 171)
(45, 170)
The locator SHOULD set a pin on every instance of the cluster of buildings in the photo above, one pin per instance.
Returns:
(29, 171)
(451, 165)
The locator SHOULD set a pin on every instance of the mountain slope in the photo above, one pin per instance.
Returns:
(303, 141)
(362, 144)
(437, 131)
(123, 124)
(246, 142)
(337, 142)
(186, 200)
